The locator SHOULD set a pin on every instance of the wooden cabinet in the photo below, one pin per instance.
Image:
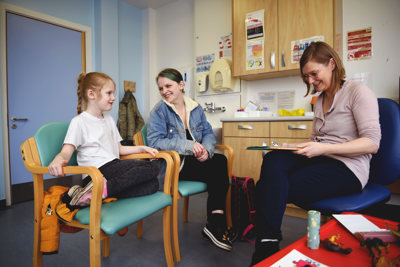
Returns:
(247, 163)
(284, 21)
(239, 135)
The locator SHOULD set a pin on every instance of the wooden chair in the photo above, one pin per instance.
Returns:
(102, 220)
(185, 189)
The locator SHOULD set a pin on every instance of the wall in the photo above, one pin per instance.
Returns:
(116, 38)
(384, 66)
(213, 19)
(168, 42)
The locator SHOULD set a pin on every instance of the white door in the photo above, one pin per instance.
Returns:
(43, 63)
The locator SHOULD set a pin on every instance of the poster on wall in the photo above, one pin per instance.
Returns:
(255, 54)
(225, 46)
(359, 44)
(203, 63)
(297, 47)
(255, 24)
(255, 39)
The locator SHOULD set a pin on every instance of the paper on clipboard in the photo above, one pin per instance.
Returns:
(272, 148)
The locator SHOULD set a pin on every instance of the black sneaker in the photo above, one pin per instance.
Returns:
(232, 234)
(218, 237)
(264, 250)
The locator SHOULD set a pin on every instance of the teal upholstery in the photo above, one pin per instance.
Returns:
(124, 212)
(144, 134)
(187, 188)
(49, 141)
(115, 215)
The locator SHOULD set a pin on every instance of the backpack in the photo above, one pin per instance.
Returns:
(243, 192)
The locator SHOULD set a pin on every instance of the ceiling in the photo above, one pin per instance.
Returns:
(143, 4)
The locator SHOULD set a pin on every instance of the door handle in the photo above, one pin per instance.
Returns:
(297, 127)
(18, 119)
(245, 127)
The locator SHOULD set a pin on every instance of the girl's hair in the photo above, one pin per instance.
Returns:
(171, 74)
(322, 53)
(86, 81)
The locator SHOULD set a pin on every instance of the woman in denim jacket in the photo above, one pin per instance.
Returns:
(178, 123)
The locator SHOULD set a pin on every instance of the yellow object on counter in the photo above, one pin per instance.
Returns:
(296, 112)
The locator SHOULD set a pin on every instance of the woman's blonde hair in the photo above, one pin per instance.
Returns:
(322, 53)
(86, 81)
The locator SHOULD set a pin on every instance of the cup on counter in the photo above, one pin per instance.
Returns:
(314, 223)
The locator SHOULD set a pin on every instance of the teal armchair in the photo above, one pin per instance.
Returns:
(102, 220)
(185, 189)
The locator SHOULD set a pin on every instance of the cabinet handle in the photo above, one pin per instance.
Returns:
(245, 127)
(272, 60)
(297, 127)
(283, 58)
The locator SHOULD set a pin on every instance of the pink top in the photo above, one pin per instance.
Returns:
(354, 113)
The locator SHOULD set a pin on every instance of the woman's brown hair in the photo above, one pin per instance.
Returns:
(322, 53)
(171, 74)
(86, 81)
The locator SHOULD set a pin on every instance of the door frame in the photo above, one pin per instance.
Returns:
(87, 58)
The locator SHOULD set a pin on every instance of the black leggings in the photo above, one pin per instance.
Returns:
(213, 172)
(129, 177)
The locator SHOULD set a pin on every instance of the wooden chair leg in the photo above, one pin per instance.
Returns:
(139, 229)
(106, 246)
(37, 255)
(228, 208)
(175, 240)
(95, 249)
(167, 236)
(185, 209)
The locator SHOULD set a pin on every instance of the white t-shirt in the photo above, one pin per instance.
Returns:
(95, 139)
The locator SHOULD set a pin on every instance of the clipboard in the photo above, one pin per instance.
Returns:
(272, 148)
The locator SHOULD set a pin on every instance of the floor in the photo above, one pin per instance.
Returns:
(16, 224)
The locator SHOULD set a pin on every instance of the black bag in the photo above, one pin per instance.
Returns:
(243, 193)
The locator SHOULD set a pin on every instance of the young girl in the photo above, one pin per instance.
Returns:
(95, 136)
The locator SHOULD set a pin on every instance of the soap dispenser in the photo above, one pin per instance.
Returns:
(220, 75)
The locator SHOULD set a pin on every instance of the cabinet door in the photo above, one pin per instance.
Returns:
(246, 163)
(291, 129)
(246, 129)
(299, 19)
(239, 10)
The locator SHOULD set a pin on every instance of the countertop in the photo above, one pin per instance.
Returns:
(269, 118)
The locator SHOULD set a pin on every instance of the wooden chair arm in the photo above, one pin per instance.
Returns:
(229, 155)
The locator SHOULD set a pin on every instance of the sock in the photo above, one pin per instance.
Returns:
(104, 188)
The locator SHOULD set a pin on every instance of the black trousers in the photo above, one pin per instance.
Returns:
(129, 177)
(213, 172)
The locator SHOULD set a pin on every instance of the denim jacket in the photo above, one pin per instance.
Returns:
(166, 130)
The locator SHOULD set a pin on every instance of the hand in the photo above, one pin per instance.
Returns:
(311, 149)
(149, 150)
(203, 157)
(198, 149)
(56, 166)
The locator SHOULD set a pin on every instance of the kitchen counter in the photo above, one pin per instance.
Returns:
(269, 118)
